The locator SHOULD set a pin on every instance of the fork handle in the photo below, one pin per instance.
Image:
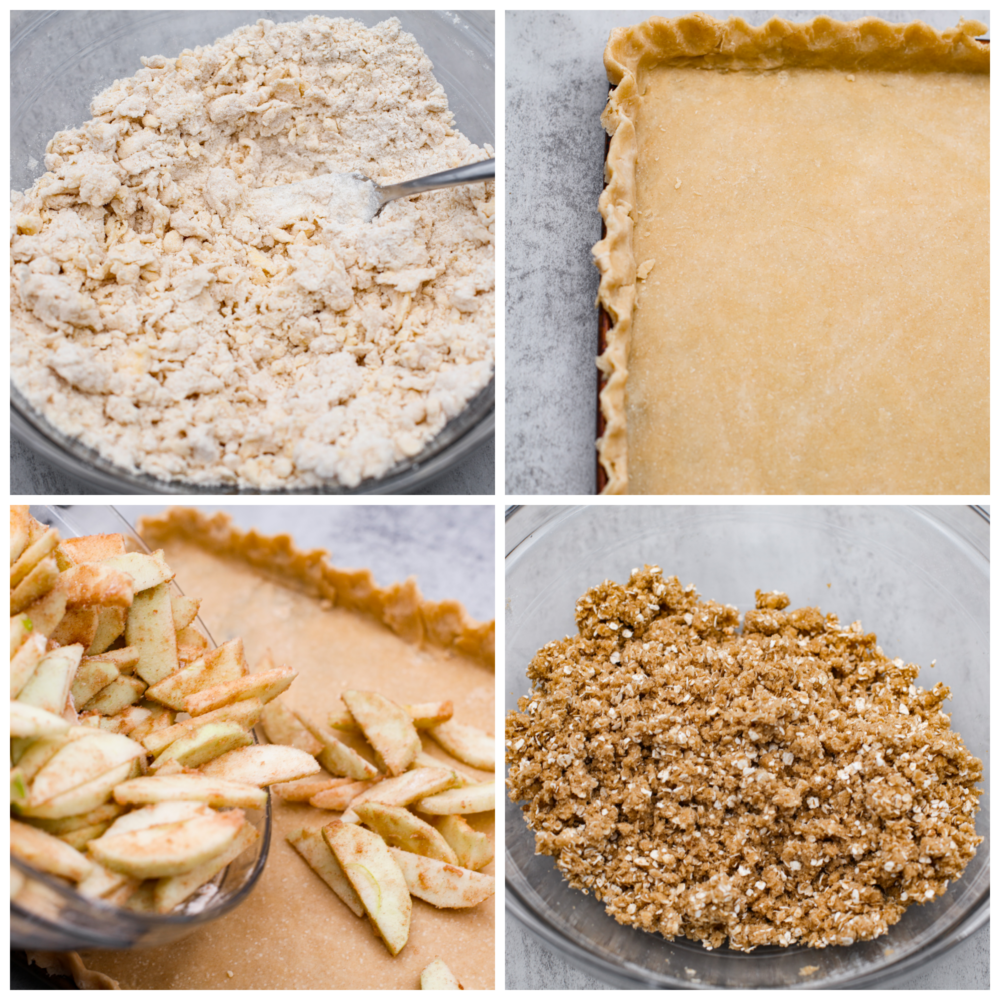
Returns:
(471, 173)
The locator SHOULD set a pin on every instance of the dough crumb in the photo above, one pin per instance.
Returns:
(759, 786)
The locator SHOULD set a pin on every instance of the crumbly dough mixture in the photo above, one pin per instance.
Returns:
(787, 783)
(196, 298)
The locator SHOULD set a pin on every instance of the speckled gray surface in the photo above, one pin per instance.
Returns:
(556, 89)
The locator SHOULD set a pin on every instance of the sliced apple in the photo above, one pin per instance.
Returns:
(47, 853)
(158, 814)
(24, 662)
(376, 878)
(404, 789)
(124, 722)
(317, 854)
(91, 548)
(263, 687)
(339, 797)
(155, 718)
(116, 696)
(282, 726)
(83, 835)
(76, 626)
(37, 583)
(171, 892)
(21, 630)
(398, 827)
(102, 814)
(169, 849)
(472, 848)
(215, 792)
(90, 677)
(262, 765)
(81, 761)
(110, 625)
(184, 610)
(45, 614)
(338, 758)
(92, 583)
(26, 720)
(102, 882)
(423, 715)
(469, 799)
(466, 743)
(226, 663)
(85, 797)
(146, 569)
(48, 687)
(303, 789)
(33, 554)
(204, 745)
(244, 713)
(442, 885)
(437, 976)
(125, 659)
(20, 518)
(387, 727)
(150, 629)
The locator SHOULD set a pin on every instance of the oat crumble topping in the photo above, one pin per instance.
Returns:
(787, 783)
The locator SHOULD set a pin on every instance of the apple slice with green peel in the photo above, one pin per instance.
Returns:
(263, 687)
(116, 696)
(150, 629)
(46, 613)
(204, 745)
(85, 797)
(473, 849)
(20, 519)
(398, 827)
(303, 789)
(90, 548)
(262, 765)
(339, 797)
(387, 727)
(168, 849)
(469, 799)
(404, 789)
(48, 687)
(21, 629)
(437, 976)
(37, 583)
(146, 569)
(110, 625)
(171, 892)
(184, 610)
(79, 626)
(18, 787)
(91, 677)
(317, 854)
(81, 761)
(92, 583)
(466, 743)
(26, 720)
(243, 713)
(24, 662)
(226, 663)
(47, 853)
(190, 787)
(376, 878)
(443, 885)
(282, 726)
(338, 758)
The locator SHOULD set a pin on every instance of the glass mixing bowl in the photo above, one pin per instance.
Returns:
(48, 915)
(916, 576)
(62, 59)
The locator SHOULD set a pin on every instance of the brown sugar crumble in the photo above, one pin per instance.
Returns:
(787, 783)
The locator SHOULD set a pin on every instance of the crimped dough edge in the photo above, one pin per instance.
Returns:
(702, 42)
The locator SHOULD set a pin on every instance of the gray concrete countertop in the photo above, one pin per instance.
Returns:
(556, 91)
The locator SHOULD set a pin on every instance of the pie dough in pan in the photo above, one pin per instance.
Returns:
(796, 259)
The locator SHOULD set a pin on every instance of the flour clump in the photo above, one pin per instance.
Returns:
(199, 291)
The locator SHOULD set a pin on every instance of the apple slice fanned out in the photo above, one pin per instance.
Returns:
(171, 892)
(339, 797)
(190, 787)
(442, 885)
(281, 725)
(338, 758)
(150, 629)
(244, 713)
(317, 854)
(303, 789)
(398, 827)
(226, 663)
(466, 743)
(26, 720)
(262, 765)
(204, 745)
(468, 799)
(168, 849)
(92, 583)
(404, 789)
(263, 687)
(473, 849)
(146, 569)
(47, 853)
(387, 727)
(49, 685)
(376, 878)
(437, 976)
